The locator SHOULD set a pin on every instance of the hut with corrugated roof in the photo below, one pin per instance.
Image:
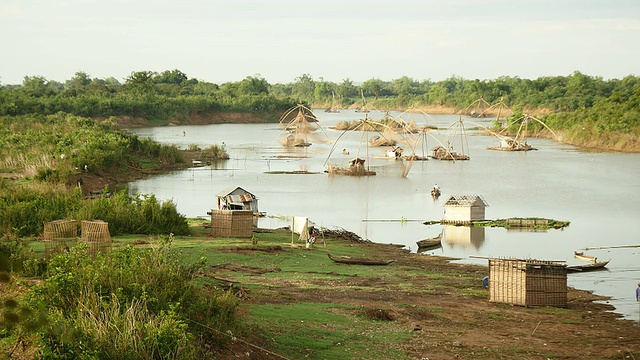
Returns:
(464, 209)
(237, 198)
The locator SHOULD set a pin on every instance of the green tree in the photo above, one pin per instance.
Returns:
(175, 77)
(373, 87)
(303, 88)
(140, 82)
(346, 89)
(35, 85)
(253, 85)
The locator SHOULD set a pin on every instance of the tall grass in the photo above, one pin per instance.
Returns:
(130, 304)
(25, 207)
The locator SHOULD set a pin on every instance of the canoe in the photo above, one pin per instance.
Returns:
(430, 242)
(589, 266)
(582, 256)
(359, 261)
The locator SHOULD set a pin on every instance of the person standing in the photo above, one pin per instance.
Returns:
(638, 293)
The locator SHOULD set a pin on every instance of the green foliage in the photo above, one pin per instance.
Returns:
(135, 215)
(24, 208)
(215, 152)
(127, 305)
(12, 253)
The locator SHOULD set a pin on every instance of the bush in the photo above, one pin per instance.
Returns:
(128, 305)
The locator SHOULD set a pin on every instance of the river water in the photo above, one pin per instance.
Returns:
(598, 192)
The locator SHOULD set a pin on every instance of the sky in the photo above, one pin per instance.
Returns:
(334, 40)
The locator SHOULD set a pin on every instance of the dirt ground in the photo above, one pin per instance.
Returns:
(465, 327)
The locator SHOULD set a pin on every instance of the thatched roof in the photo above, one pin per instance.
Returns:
(465, 200)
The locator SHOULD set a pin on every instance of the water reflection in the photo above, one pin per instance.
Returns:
(464, 236)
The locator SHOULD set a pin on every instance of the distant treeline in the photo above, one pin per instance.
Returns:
(584, 107)
(166, 95)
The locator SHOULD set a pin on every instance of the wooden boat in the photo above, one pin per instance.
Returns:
(582, 256)
(358, 261)
(589, 266)
(430, 243)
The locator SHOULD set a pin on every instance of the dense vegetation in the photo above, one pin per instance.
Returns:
(133, 303)
(588, 110)
(82, 147)
(169, 95)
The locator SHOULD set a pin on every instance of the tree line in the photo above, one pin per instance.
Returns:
(605, 108)
(173, 93)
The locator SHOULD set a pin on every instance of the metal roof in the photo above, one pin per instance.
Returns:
(231, 189)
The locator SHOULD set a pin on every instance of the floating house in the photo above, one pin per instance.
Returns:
(464, 209)
(237, 198)
(528, 282)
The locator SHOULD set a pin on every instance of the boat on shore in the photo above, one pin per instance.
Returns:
(430, 243)
(358, 261)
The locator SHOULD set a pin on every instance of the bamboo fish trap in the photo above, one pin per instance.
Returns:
(96, 234)
(59, 235)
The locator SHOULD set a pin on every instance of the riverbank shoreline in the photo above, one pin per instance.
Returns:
(440, 306)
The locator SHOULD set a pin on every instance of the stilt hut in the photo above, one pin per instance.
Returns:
(464, 209)
(237, 198)
(59, 235)
(528, 282)
(96, 234)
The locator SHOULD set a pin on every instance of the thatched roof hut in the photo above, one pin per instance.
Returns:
(463, 209)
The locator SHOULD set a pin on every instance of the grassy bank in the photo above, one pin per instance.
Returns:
(296, 303)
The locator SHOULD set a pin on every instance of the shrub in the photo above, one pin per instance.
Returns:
(128, 305)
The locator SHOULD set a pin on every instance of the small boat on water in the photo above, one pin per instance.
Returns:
(358, 261)
(430, 243)
(592, 262)
(589, 266)
(435, 192)
(582, 256)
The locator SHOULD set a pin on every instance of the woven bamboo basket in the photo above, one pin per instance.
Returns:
(96, 234)
(59, 235)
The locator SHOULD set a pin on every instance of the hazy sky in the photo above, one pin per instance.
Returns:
(220, 41)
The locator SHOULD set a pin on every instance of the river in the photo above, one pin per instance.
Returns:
(598, 192)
